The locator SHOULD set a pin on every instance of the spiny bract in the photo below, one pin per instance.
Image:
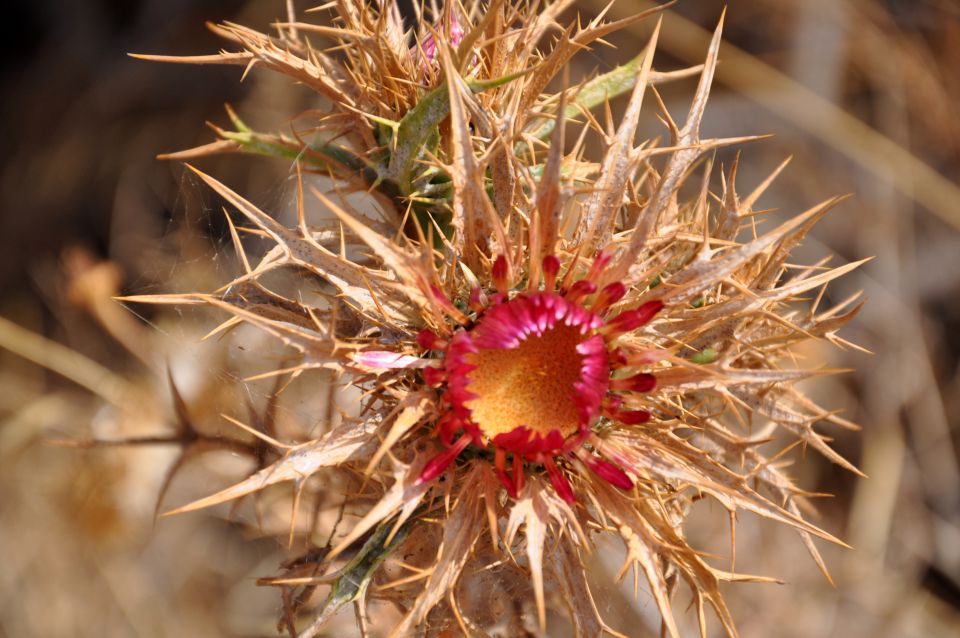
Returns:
(545, 348)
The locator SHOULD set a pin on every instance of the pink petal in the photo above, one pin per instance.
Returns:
(386, 360)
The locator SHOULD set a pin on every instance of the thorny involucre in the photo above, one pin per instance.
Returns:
(546, 348)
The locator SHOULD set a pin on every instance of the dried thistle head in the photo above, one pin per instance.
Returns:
(543, 348)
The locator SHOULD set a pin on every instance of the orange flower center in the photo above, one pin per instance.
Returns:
(529, 385)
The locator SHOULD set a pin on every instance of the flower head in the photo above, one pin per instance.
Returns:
(529, 375)
(545, 347)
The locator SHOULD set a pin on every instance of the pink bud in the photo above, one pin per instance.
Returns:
(501, 273)
(434, 377)
(642, 382)
(632, 417)
(560, 482)
(551, 266)
(611, 294)
(477, 301)
(610, 473)
(600, 263)
(438, 464)
(580, 290)
(633, 319)
(429, 340)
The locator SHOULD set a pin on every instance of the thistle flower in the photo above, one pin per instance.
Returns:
(545, 348)
(531, 375)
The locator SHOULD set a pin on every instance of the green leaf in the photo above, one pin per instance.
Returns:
(331, 156)
(354, 577)
(595, 92)
(418, 127)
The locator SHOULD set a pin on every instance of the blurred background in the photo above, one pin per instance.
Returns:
(862, 94)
